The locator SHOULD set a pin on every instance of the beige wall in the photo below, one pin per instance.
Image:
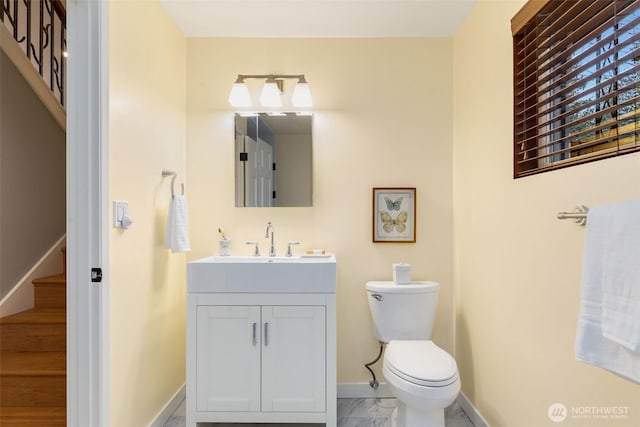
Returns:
(32, 177)
(382, 117)
(147, 134)
(429, 113)
(517, 268)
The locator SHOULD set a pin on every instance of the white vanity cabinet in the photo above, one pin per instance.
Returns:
(253, 358)
(293, 359)
(260, 357)
(227, 358)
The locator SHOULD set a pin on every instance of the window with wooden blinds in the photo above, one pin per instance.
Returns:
(576, 82)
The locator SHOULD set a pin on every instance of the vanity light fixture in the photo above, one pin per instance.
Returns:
(271, 95)
(301, 94)
(239, 96)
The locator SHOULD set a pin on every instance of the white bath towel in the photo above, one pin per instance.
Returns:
(621, 275)
(177, 233)
(597, 281)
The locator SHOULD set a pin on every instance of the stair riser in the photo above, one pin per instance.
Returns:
(29, 337)
(50, 296)
(33, 391)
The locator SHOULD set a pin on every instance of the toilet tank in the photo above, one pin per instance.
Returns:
(402, 312)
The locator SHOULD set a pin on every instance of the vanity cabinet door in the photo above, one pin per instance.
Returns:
(228, 358)
(293, 359)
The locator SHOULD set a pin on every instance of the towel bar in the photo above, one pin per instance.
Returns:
(579, 216)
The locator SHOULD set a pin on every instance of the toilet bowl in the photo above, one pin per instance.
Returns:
(420, 374)
(425, 380)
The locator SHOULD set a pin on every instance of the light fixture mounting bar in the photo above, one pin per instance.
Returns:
(270, 76)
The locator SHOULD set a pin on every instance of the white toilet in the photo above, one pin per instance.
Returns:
(421, 375)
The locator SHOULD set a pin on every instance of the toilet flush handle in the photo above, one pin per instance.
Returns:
(377, 297)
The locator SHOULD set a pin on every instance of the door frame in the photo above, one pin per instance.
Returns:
(88, 391)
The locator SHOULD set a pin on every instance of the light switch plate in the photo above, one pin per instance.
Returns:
(120, 210)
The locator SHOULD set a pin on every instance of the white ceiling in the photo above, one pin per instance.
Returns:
(318, 18)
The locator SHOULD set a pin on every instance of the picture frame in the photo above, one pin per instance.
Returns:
(394, 215)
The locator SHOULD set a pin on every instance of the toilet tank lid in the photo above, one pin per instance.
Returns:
(409, 288)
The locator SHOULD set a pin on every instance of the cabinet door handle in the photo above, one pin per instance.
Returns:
(254, 338)
(266, 334)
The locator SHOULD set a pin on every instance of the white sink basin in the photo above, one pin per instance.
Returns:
(231, 274)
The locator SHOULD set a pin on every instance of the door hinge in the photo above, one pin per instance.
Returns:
(273, 195)
(96, 275)
(273, 167)
(244, 157)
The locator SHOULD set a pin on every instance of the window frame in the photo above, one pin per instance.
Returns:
(548, 36)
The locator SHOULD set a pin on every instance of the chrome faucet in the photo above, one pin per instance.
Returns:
(272, 248)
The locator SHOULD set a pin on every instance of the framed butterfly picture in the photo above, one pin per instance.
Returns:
(394, 215)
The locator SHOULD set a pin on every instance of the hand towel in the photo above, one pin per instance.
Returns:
(591, 345)
(177, 233)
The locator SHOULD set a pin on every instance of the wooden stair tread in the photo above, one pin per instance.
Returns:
(37, 316)
(57, 279)
(33, 360)
(33, 416)
(36, 363)
(25, 411)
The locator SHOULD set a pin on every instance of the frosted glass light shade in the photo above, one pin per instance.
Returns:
(239, 96)
(301, 95)
(270, 96)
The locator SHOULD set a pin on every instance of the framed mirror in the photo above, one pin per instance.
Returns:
(273, 160)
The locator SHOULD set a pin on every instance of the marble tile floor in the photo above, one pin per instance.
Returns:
(351, 413)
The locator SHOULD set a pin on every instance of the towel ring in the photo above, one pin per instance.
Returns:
(172, 174)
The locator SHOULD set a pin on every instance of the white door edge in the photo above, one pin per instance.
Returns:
(87, 214)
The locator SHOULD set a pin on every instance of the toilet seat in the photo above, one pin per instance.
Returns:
(421, 363)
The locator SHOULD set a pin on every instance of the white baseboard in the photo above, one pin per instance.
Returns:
(20, 297)
(471, 411)
(169, 408)
(363, 390)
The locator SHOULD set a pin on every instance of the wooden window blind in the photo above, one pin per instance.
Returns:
(576, 82)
